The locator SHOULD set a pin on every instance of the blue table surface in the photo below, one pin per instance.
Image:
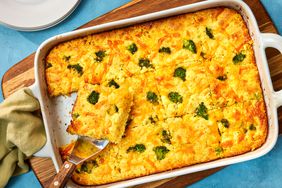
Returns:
(15, 45)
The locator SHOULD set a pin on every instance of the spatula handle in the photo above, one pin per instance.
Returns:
(63, 175)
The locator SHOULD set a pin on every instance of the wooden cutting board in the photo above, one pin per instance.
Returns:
(21, 75)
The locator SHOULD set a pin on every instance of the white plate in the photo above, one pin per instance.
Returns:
(33, 15)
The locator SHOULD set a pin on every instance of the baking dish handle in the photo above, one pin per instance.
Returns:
(274, 41)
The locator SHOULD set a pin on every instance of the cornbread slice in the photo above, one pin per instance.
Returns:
(147, 106)
(101, 112)
(242, 127)
(234, 81)
(67, 62)
(183, 88)
(63, 72)
(98, 62)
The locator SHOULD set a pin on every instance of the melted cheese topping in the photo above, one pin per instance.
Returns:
(196, 92)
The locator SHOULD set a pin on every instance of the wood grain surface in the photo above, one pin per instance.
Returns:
(21, 75)
(63, 175)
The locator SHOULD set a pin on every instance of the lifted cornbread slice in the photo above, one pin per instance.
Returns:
(101, 112)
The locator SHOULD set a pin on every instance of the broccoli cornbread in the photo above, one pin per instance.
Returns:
(101, 111)
(195, 86)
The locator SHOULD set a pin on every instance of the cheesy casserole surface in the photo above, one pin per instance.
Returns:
(195, 85)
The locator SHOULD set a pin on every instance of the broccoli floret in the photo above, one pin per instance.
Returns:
(175, 97)
(87, 166)
(225, 123)
(93, 97)
(218, 150)
(252, 127)
(257, 96)
(222, 78)
(166, 137)
(137, 148)
(202, 111)
(100, 55)
(190, 45)
(66, 58)
(203, 55)
(209, 33)
(77, 67)
(153, 120)
(132, 48)
(113, 83)
(78, 170)
(165, 50)
(152, 97)
(239, 58)
(145, 62)
(160, 152)
(75, 115)
(180, 72)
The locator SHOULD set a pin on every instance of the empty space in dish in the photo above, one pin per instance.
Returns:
(61, 108)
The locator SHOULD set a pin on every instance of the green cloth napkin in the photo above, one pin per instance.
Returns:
(21, 133)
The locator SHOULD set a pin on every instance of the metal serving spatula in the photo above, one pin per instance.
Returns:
(84, 149)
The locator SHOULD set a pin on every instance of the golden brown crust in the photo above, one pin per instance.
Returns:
(219, 108)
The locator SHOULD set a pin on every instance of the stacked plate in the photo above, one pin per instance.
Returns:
(34, 15)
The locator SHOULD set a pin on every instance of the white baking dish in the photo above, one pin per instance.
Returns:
(55, 111)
